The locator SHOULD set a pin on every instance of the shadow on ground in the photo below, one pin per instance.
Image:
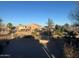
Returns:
(56, 47)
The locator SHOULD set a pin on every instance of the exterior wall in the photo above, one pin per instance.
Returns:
(4, 30)
(26, 29)
(34, 26)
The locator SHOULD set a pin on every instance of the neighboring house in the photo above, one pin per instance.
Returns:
(4, 30)
(26, 29)
(34, 27)
(22, 28)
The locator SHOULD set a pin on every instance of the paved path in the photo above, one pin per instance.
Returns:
(27, 48)
(56, 48)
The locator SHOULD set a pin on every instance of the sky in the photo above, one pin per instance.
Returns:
(27, 12)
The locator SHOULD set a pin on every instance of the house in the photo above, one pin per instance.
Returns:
(4, 30)
(26, 29)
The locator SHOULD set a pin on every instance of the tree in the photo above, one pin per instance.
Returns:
(20, 24)
(0, 22)
(50, 27)
(74, 16)
(50, 23)
(57, 27)
(10, 25)
(66, 26)
(59, 30)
